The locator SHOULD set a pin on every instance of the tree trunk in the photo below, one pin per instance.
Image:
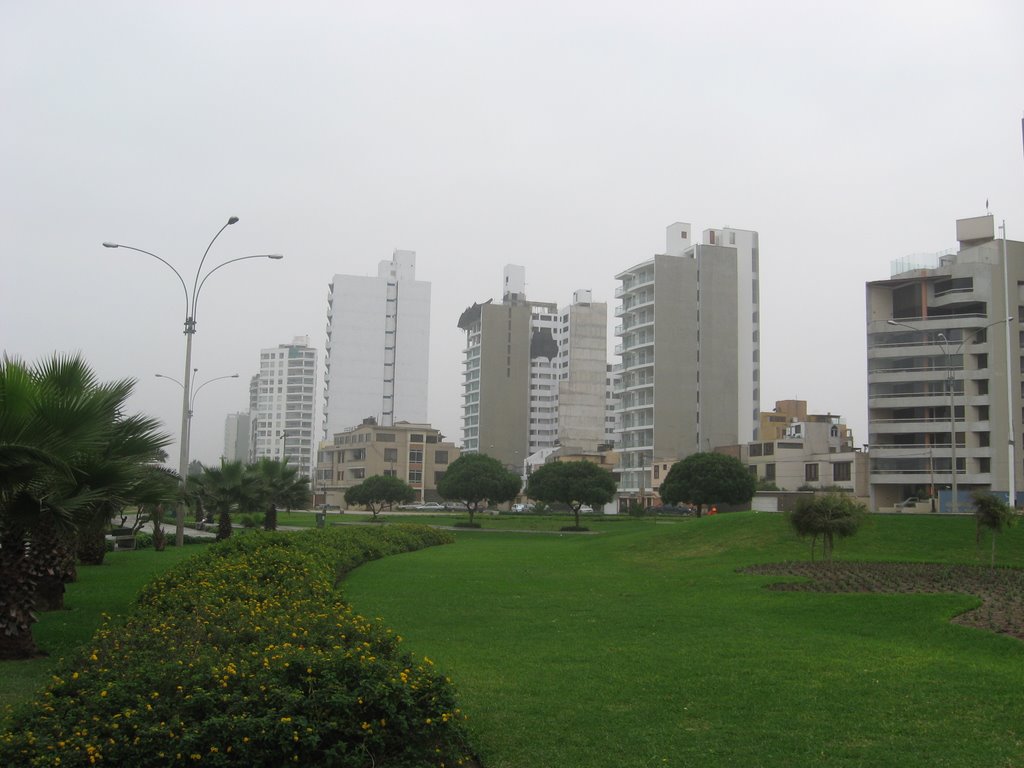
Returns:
(992, 558)
(270, 519)
(224, 526)
(576, 512)
(54, 561)
(17, 600)
(92, 545)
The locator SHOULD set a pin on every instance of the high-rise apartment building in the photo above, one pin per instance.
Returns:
(378, 341)
(534, 374)
(285, 391)
(945, 360)
(237, 434)
(690, 351)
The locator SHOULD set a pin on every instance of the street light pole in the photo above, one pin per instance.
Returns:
(190, 330)
(944, 345)
(192, 399)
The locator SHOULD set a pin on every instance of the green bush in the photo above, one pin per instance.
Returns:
(246, 655)
(143, 540)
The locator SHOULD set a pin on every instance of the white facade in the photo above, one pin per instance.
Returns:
(282, 422)
(236, 437)
(690, 351)
(612, 412)
(378, 341)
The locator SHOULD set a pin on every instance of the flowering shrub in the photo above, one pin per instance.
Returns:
(246, 655)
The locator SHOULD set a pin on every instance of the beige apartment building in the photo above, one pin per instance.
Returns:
(690, 350)
(534, 375)
(945, 356)
(775, 423)
(416, 453)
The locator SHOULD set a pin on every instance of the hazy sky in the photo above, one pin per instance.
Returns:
(563, 136)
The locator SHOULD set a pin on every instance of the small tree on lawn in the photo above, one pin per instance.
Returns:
(379, 491)
(993, 513)
(574, 483)
(476, 477)
(830, 516)
(708, 478)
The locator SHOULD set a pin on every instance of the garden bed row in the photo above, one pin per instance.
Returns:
(1001, 590)
(247, 655)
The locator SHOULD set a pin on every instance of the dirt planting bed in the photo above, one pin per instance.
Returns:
(1001, 590)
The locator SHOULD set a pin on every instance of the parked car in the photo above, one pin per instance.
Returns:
(586, 509)
(429, 505)
(522, 507)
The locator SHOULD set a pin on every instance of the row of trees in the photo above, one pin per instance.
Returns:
(70, 457)
(234, 487)
(476, 480)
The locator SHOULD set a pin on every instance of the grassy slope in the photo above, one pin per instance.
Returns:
(108, 588)
(643, 647)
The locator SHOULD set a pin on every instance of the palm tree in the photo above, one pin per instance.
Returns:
(222, 489)
(126, 470)
(51, 415)
(276, 484)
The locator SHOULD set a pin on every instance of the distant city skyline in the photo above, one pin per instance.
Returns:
(558, 137)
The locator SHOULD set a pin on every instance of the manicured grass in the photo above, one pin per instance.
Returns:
(643, 646)
(109, 588)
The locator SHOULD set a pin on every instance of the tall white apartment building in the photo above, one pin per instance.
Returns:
(237, 434)
(534, 374)
(945, 360)
(612, 411)
(690, 352)
(378, 341)
(282, 422)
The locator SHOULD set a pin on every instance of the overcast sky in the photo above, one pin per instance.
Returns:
(562, 136)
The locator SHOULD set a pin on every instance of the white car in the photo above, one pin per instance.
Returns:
(429, 505)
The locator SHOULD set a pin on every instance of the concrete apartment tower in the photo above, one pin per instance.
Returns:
(282, 422)
(237, 434)
(941, 320)
(378, 343)
(690, 352)
(534, 375)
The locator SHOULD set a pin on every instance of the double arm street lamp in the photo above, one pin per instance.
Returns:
(944, 343)
(192, 399)
(191, 302)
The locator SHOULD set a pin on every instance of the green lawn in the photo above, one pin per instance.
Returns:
(109, 588)
(644, 647)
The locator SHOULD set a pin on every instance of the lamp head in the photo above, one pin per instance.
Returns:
(275, 256)
(891, 322)
(111, 245)
(233, 220)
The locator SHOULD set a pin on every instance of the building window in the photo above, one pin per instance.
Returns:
(415, 477)
(769, 472)
(811, 473)
(437, 477)
(385, 437)
(657, 471)
(415, 438)
(416, 456)
(390, 454)
(440, 457)
(841, 471)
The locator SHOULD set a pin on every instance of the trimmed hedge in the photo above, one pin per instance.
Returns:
(246, 655)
